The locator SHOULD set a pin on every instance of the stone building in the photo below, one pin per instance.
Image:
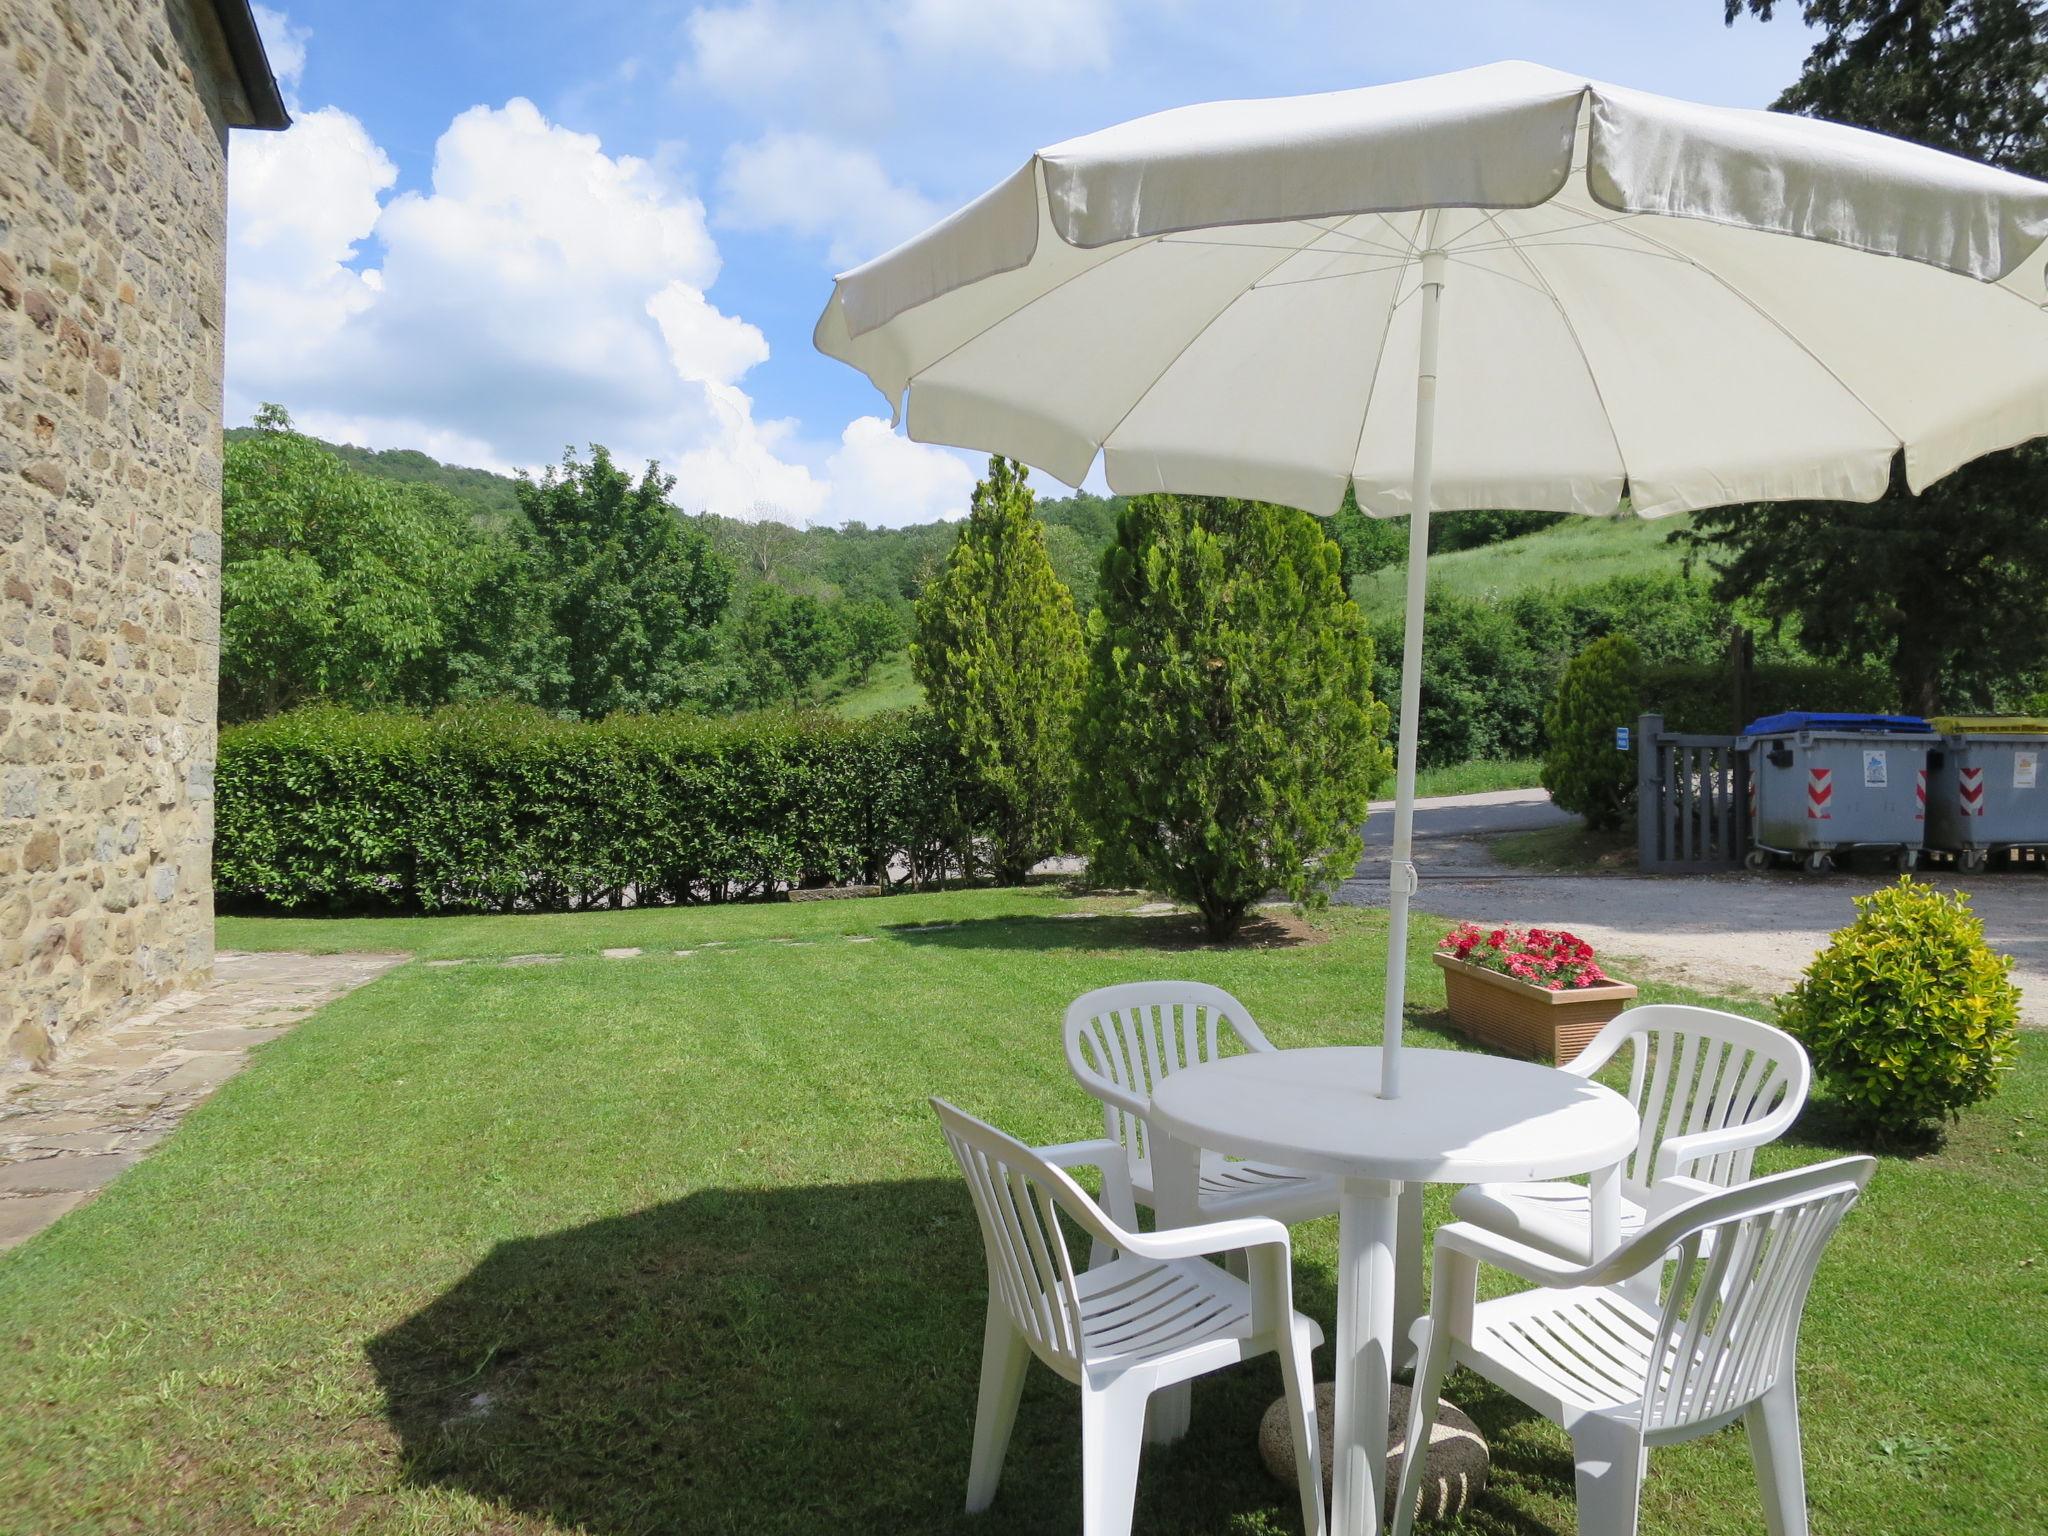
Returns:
(114, 118)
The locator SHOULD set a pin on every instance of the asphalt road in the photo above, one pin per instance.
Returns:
(1724, 933)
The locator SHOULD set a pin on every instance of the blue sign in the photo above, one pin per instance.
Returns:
(1621, 738)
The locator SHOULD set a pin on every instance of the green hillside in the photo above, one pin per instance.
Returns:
(1573, 553)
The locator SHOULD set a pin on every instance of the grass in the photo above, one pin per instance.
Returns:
(1573, 553)
(1572, 849)
(889, 686)
(672, 1244)
(1478, 778)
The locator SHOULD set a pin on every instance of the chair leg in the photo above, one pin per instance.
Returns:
(1433, 1358)
(1005, 1358)
(1609, 1458)
(1297, 1371)
(1112, 1439)
(1773, 1426)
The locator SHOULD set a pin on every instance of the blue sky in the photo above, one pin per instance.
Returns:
(501, 227)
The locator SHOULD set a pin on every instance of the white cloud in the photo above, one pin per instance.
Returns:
(300, 204)
(842, 61)
(817, 188)
(884, 479)
(541, 293)
(740, 472)
(703, 344)
(1038, 34)
(825, 60)
(284, 45)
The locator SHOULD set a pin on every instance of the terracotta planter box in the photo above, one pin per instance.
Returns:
(1527, 1020)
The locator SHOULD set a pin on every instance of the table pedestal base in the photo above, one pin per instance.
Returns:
(1453, 1476)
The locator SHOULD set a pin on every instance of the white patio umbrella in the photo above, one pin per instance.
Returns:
(1503, 288)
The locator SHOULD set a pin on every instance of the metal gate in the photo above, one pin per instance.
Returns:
(1692, 800)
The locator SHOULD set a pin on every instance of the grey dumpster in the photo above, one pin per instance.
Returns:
(1987, 788)
(1822, 783)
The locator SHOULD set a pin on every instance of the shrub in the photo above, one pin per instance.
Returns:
(1581, 767)
(998, 654)
(1908, 1014)
(504, 809)
(1483, 683)
(1229, 740)
(1700, 697)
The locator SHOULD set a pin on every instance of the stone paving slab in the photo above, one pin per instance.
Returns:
(66, 1130)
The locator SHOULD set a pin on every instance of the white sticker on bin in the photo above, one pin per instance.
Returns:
(2026, 766)
(1874, 770)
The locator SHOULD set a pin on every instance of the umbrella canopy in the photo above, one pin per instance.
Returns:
(1626, 299)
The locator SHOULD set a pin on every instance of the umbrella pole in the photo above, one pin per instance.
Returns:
(1401, 879)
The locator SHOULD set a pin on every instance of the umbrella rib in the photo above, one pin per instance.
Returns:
(1332, 277)
(1137, 400)
(1772, 320)
(1372, 381)
(1342, 233)
(1564, 315)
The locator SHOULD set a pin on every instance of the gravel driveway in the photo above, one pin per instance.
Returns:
(1734, 932)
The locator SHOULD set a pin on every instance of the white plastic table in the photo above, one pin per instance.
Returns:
(1462, 1118)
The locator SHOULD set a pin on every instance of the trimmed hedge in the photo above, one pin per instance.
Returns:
(1699, 698)
(500, 809)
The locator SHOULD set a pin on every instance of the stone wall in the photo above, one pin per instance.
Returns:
(113, 187)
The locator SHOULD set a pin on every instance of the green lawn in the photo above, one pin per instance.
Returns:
(672, 1245)
(1478, 777)
(1573, 553)
(889, 686)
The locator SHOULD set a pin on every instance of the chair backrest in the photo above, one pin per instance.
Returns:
(1733, 1298)
(1698, 1069)
(1018, 1196)
(1122, 1041)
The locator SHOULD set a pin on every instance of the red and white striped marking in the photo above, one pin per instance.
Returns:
(1920, 795)
(1970, 791)
(1820, 794)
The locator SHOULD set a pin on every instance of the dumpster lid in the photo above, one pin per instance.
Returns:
(1991, 725)
(1795, 720)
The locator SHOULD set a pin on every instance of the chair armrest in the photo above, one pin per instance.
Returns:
(1109, 1158)
(1531, 1264)
(1679, 1152)
(1211, 1238)
(1669, 1193)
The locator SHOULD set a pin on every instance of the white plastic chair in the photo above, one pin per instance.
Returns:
(1621, 1375)
(1152, 1314)
(1121, 1041)
(1710, 1088)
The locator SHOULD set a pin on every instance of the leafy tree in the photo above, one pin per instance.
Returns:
(334, 585)
(1600, 690)
(1074, 562)
(1229, 738)
(1925, 585)
(786, 641)
(1967, 76)
(871, 632)
(1368, 543)
(620, 596)
(998, 653)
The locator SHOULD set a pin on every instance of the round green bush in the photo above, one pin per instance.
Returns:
(1581, 767)
(1908, 1014)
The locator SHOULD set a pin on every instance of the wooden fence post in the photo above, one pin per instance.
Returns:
(1649, 789)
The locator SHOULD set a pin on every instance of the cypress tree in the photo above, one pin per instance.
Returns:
(998, 652)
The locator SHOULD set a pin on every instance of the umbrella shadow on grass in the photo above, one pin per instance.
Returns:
(798, 1359)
